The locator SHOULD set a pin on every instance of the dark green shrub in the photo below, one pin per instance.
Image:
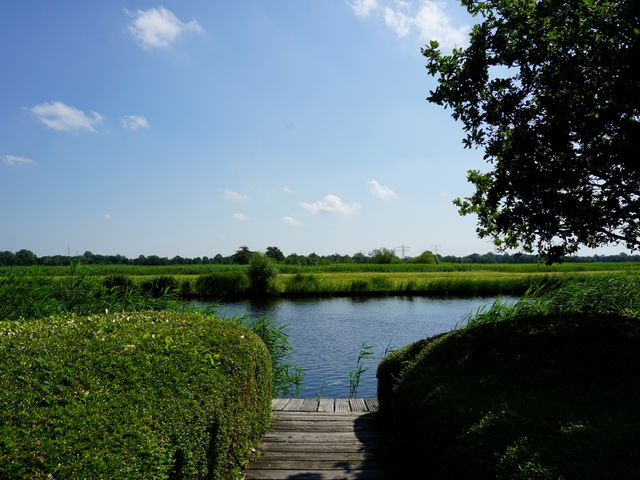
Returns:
(221, 284)
(159, 286)
(542, 397)
(360, 285)
(120, 283)
(262, 273)
(185, 289)
(425, 257)
(381, 283)
(302, 283)
(132, 395)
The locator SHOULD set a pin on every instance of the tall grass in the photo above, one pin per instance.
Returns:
(159, 270)
(355, 374)
(615, 294)
(33, 296)
(27, 297)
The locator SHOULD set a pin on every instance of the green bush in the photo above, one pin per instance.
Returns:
(262, 274)
(118, 282)
(535, 397)
(381, 283)
(132, 395)
(159, 286)
(360, 285)
(222, 284)
(302, 283)
(425, 257)
(185, 289)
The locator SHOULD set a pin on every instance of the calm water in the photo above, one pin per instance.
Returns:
(327, 333)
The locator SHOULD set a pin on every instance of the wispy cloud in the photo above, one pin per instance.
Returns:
(65, 118)
(363, 8)
(434, 24)
(159, 27)
(291, 221)
(134, 122)
(331, 204)
(234, 196)
(380, 191)
(15, 160)
(240, 217)
(286, 189)
(427, 18)
(398, 21)
(107, 217)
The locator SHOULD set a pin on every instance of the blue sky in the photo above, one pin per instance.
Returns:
(194, 127)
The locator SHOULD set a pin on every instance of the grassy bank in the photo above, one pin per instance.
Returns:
(546, 389)
(214, 282)
(135, 395)
(195, 270)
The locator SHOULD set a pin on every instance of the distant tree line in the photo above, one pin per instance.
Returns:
(244, 255)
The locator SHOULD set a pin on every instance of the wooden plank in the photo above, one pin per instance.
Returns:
(295, 404)
(279, 403)
(326, 405)
(304, 426)
(309, 405)
(342, 405)
(318, 415)
(337, 456)
(313, 448)
(320, 474)
(314, 464)
(322, 437)
(372, 404)
(357, 405)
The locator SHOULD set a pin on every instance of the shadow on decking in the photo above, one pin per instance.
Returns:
(375, 460)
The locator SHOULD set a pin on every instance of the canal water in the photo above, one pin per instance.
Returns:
(327, 334)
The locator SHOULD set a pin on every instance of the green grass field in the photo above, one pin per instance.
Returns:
(193, 270)
(351, 279)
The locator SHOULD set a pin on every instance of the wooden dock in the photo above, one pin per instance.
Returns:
(318, 439)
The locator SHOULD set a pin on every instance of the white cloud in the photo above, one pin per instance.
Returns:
(363, 8)
(134, 122)
(241, 217)
(286, 189)
(15, 160)
(434, 24)
(398, 22)
(427, 17)
(380, 191)
(159, 27)
(107, 217)
(291, 221)
(234, 196)
(331, 204)
(65, 118)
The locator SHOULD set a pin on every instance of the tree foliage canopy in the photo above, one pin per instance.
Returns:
(550, 90)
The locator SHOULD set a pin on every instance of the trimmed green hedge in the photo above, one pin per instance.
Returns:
(539, 397)
(132, 395)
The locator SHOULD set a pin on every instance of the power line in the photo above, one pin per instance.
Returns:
(403, 249)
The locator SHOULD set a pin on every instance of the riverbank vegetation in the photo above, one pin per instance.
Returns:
(130, 395)
(545, 388)
(264, 277)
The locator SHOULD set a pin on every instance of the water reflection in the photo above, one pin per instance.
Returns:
(327, 333)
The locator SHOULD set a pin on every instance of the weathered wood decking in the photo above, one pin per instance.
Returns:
(313, 439)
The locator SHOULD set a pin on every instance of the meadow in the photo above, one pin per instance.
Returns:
(212, 282)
